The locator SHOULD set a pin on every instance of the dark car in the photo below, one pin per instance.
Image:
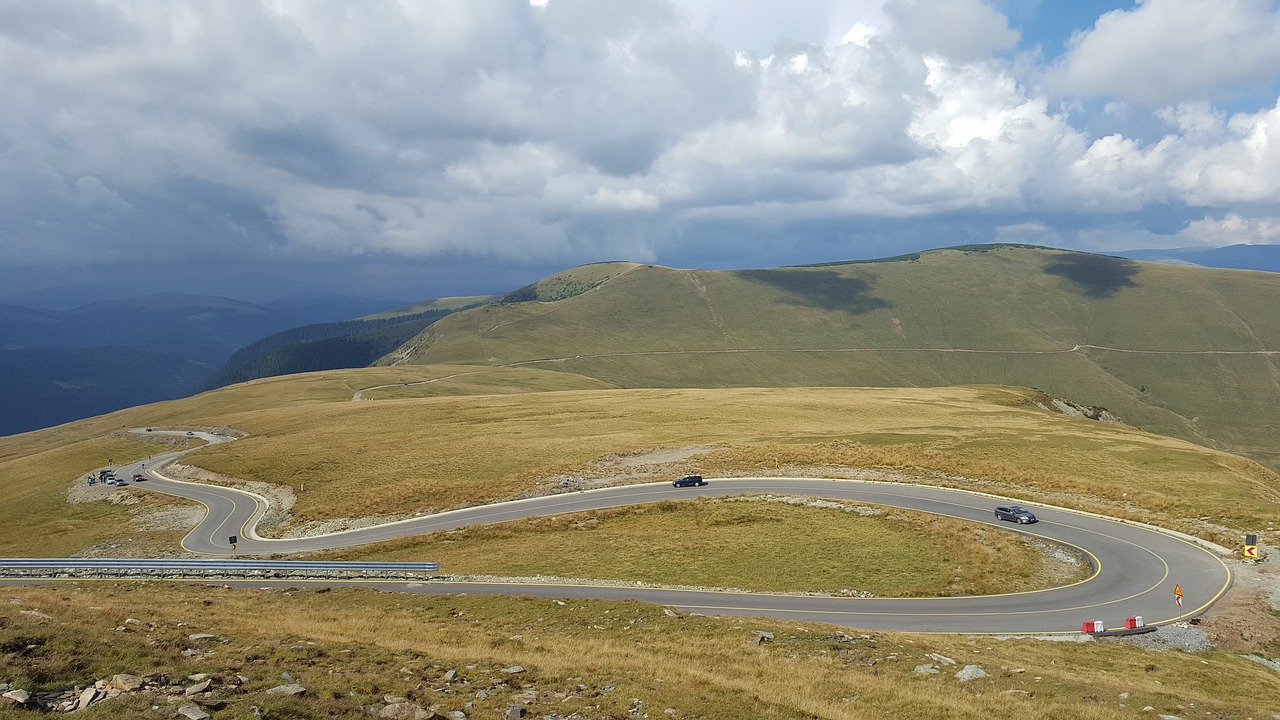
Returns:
(689, 481)
(138, 478)
(1013, 513)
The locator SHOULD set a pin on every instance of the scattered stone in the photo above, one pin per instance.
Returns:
(292, 689)
(201, 636)
(927, 669)
(394, 699)
(198, 677)
(193, 712)
(971, 672)
(125, 683)
(198, 687)
(941, 658)
(456, 715)
(514, 669)
(18, 697)
(86, 698)
(1170, 717)
(669, 612)
(1124, 696)
(450, 675)
(515, 712)
(407, 711)
(1024, 694)
(762, 636)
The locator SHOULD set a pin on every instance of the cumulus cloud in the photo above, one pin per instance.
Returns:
(1169, 51)
(570, 131)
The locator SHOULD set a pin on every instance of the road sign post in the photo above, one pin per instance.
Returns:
(1251, 547)
(1177, 594)
(233, 540)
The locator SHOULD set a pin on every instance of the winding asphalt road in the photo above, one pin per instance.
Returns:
(1136, 568)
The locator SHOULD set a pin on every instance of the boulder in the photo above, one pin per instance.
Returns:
(17, 697)
(941, 658)
(126, 683)
(513, 669)
(198, 687)
(927, 669)
(515, 712)
(292, 689)
(201, 636)
(971, 672)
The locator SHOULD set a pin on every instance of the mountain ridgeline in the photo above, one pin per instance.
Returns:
(1185, 351)
(323, 346)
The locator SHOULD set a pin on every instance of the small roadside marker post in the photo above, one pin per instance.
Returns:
(232, 540)
(1251, 547)
(1177, 594)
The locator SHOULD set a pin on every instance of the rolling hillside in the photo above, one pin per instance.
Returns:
(1176, 350)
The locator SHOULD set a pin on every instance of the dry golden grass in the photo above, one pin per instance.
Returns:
(387, 457)
(719, 543)
(348, 648)
(436, 453)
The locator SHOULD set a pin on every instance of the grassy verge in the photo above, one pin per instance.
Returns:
(711, 543)
(352, 648)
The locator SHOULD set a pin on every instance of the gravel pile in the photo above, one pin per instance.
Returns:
(1175, 636)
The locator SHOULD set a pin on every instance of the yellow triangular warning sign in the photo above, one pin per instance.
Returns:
(1177, 590)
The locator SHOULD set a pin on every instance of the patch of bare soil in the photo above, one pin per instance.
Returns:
(1245, 619)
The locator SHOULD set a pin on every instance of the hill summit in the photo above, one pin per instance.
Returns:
(1184, 351)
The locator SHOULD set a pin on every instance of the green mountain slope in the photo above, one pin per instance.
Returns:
(1177, 350)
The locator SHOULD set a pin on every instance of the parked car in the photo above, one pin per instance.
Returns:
(688, 481)
(1013, 513)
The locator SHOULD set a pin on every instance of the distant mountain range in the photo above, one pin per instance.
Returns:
(62, 365)
(1240, 257)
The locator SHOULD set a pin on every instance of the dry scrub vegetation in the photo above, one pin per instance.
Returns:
(585, 659)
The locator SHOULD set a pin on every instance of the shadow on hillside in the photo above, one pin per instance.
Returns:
(824, 289)
(1097, 276)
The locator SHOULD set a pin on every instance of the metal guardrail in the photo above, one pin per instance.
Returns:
(214, 564)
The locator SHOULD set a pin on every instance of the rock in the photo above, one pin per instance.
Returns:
(201, 636)
(456, 715)
(86, 698)
(941, 658)
(198, 677)
(193, 712)
(1018, 693)
(1124, 696)
(669, 612)
(1170, 717)
(971, 672)
(126, 683)
(394, 699)
(515, 712)
(17, 697)
(514, 669)
(198, 687)
(291, 689)
(927, 669)
(407, 711)
(762, 636)
(449, 676)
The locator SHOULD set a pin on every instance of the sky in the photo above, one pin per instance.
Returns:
(416, 149)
